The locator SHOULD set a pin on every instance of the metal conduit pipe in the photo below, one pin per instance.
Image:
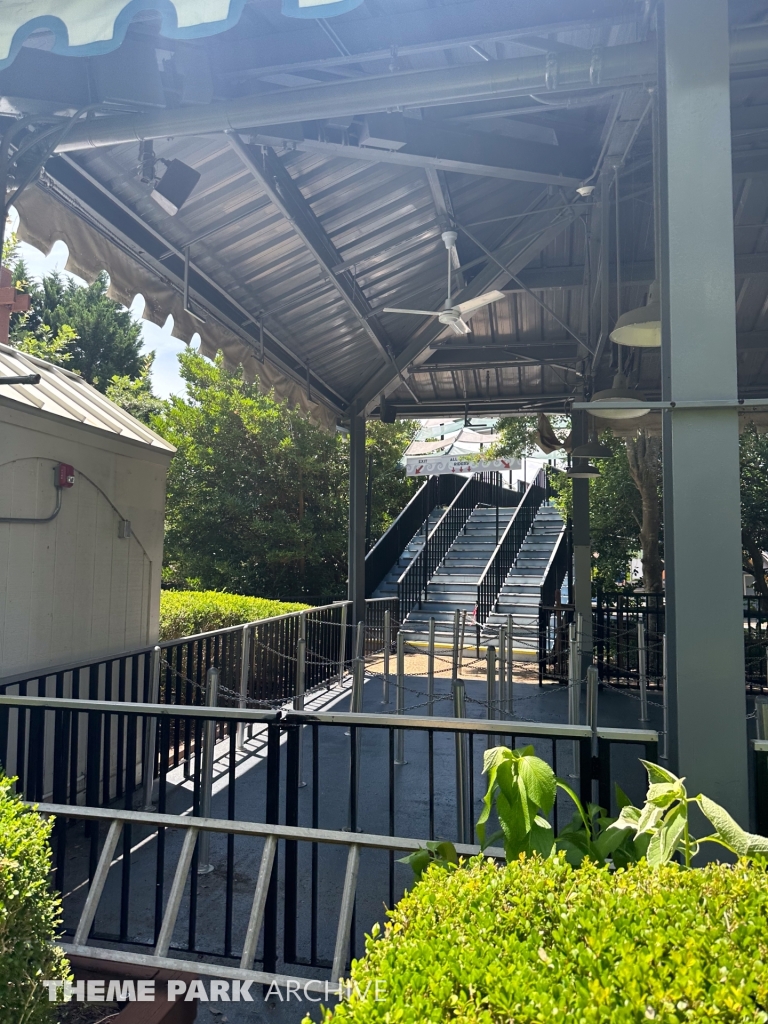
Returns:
(612, 67)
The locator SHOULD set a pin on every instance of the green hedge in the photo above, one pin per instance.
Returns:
(186, 612)
(30, 914)
(538, 941)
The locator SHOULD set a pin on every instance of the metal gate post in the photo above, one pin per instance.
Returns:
(150, 732)
(642, 671)
(387, 642)
(431, 667)
(204, 865)
(400, 697)
(245, 669)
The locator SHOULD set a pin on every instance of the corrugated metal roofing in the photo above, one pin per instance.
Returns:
(64, 394)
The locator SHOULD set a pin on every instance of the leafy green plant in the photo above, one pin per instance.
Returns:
(441, 854)
(664, 819)
(187, 612)
(30, 913)
(523, 789)
(537, 940)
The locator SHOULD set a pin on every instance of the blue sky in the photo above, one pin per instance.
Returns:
(165, 375)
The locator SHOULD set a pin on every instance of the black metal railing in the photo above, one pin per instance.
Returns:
(479, 489)
(376, 636)
(554, 621)
(760, 759)
(331, 770)
(616, 637)
(508, 548)
(435, 491)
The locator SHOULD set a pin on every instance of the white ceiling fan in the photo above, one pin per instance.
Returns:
(454, 316)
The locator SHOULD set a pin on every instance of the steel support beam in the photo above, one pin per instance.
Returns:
(272, 176)
(427, 144)
(356, 547)
(702, 523)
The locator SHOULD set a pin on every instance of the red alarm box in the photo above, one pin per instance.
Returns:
(65, 475)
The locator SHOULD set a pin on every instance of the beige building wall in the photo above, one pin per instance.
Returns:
(72, 589)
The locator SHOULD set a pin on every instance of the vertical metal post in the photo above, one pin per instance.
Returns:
(707, 697)
(492, 693)
(343, 642)
(455, 653)
(150, 740)
(502, 702)
(582, 552)
(510, 660)
(356, 549)
(461, 638)
(664, 745)
(642, 670)
(358, 671)
(245, 670)
(591, 710)
(204, 865)
(400, 697)
(761, 716)
(462, 763)
(387, 641)
(301, 685)
(574, 688)
(431, 667)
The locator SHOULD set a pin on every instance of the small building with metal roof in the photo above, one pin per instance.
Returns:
(82, 503)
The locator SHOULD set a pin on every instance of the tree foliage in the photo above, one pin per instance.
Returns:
(753, 448)
(77, 326)
(615, 515)
(257, 495)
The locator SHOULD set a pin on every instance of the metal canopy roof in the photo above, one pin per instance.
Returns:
(332, 155)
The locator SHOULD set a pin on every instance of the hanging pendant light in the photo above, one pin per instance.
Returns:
(588, 472)
(592, 450)
(641, 327)
(620, 392)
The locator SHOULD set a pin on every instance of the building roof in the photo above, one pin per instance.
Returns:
(62, 393)
(333, 156)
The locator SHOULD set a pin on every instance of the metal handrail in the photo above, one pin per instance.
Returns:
(558, 730)
(506, 551)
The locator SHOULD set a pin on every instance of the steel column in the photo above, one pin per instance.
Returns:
(356, 549)
(582, 553)
(702, 524)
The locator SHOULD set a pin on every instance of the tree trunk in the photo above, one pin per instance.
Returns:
(644, 456)
(752, 547)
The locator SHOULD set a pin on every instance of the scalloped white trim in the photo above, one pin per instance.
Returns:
(93, 21)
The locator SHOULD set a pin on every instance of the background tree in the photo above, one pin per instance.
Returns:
(257, 495)
(753, 449)
(615, 515)
(78, 326)
(136, 395)
(644, 460)
(389, 488)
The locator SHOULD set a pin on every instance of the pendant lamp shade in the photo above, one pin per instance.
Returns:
(618, 393)
(588, 472)
(641, 327)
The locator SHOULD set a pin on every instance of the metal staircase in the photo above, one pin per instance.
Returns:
(388, 586)
(454, 583)
(521, 594)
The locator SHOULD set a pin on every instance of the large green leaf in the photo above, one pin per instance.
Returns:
(539, 780)
(662, 794)
(745, 844)
(658, 774)
(650, 816)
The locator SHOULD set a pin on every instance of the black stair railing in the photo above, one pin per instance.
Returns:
(556, 569)
(479, 489)
(436, 490)
(506, 551)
